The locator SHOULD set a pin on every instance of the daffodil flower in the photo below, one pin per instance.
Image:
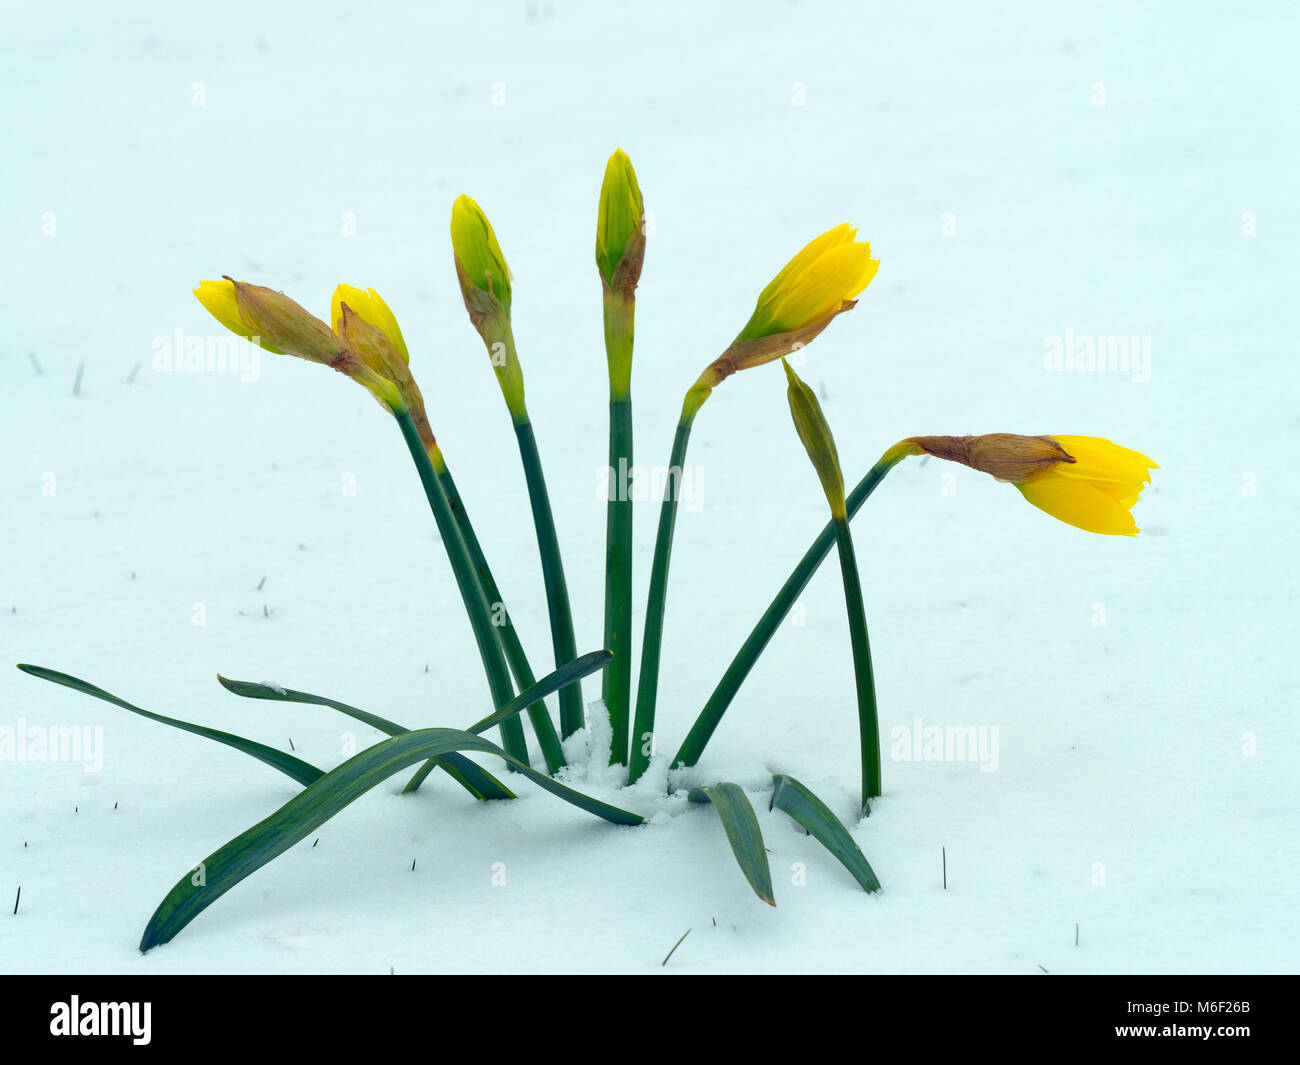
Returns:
(1085, 481)
(822, 281)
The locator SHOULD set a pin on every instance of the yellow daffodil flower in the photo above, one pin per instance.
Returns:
(817, 284)
(822, 281)
(1084, 481)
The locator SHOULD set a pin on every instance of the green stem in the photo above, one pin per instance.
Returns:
(709, 718)
(617, 681)
(471, 592)
(543, 727)
(557, 590)
(868, 719)
(647, 689)
(619, 305)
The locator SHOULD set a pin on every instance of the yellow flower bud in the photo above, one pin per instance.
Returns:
(813, 287)
(480, 266)
(817, 284)
(378, 347)
(280, 325)
(620, 236)
(1085, 481)
(285, 326)
(370, 307)
(810, 423)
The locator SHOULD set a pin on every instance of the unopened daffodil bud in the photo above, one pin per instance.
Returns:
(485, 285)
(257, 312)
(280, 325)
(370, 307)
(480, 266)
(810, 423)
(372, 333)
(822, 281)
(620, 236)
(1084, 481)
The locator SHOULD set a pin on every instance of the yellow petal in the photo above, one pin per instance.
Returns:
(384, 320)
(1079, 503)
(222, 303)
(813, 250)
(821, 287)
(1096, 458)
(219, 298)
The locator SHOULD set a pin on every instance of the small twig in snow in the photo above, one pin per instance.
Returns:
(675, 946)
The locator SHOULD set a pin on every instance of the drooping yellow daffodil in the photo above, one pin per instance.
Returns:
(1084, 481)
(275, 322)
(822, 281)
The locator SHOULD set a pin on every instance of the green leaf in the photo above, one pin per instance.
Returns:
(744, 835)
(793, 798)
(465, 771)
(580, 667)
(301, 771)
(317, 803)
(566, 674)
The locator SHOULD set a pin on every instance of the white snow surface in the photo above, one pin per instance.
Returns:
(1022, 172)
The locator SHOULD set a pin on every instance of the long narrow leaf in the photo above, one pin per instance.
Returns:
(795, 799)
(465, 771)
(744, 835)
(580, 667)
(316, 804)
(302, 772)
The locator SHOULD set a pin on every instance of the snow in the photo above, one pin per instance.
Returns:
(1143, 691)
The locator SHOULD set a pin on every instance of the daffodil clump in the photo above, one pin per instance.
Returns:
(1086, 482)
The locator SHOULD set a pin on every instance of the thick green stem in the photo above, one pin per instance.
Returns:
(543, 727)
(617, 681)
(647, 689)
(557, 590)
(709, 718)
(471, 592)
(868, 719)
